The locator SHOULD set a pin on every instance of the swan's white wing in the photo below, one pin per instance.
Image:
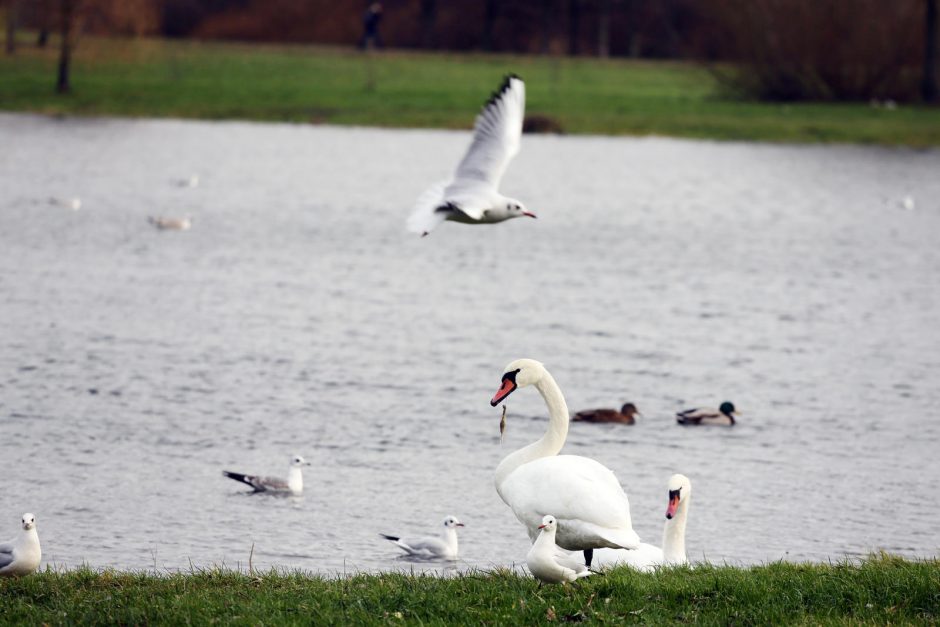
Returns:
(496, 137)
(645, 557)
(425, 217)
(582, 494)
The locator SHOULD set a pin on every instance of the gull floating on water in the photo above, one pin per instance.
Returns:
(22, 554)
(69, 203)
(647, 557)
(550, 563)
(430, 547)
(171, 224)
(293, 484)
(192, 181)
(472, 196)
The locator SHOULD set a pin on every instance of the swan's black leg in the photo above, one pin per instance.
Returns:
(588, 556)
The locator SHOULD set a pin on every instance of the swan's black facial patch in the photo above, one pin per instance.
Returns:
(507, 386)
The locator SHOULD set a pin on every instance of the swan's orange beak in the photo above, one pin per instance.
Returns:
(505, 389)
(673, 504)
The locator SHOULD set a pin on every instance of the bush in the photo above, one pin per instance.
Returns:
(820, 49)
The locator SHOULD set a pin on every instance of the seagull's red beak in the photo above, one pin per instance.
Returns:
(541, 526)
(530, 214)
(460, 524)
(505, 389)
(673, 504)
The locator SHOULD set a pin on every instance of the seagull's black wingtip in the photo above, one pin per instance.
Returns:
(503, 88)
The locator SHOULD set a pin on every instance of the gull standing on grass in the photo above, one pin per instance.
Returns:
(430, 547)
(21, 555)
(472, 196)
(550, 563)
(294, 483)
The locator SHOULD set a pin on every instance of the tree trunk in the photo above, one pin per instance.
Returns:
(428, 18)
(603, 29)
(67, 15)
(574, 27)
(489, 20)
(930, 89)
(11, 26)
(548, 20)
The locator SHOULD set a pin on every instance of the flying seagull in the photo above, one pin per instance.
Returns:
(472, 196)
(22, 554)
(293, 484)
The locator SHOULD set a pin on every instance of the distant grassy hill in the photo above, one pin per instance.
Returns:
(403, 89)
(880, 590)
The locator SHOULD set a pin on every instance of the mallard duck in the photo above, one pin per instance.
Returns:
(626, 415)
(724, 415)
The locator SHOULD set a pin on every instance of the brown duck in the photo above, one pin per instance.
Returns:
(626, 415)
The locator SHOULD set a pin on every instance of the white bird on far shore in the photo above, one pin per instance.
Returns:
(69, 203)
(171, 224)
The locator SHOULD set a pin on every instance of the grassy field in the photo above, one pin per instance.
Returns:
(400, 89)
(878, 591)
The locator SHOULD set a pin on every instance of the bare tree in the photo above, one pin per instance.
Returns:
(11, 25)
(574, 27)
(603, 28)
(428, 18)
(549, 13)
(930, 90)
(490, 13)
(67, 11)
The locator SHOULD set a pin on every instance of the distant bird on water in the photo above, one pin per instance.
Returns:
(191, 181)
(472, 196)
(171, 224)
(69, 203)
(444, 547)
(22, 554)
(294, 484)
(626, 415)
(723, 416)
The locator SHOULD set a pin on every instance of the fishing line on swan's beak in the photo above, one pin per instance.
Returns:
(502, 425)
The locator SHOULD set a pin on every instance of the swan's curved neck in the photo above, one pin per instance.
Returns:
(554, 438)
(295, 479)
(674, 535)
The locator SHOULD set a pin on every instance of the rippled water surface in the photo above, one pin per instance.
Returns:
(297, 316)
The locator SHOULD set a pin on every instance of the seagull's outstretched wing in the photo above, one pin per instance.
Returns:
(496, 136)
(425, 217)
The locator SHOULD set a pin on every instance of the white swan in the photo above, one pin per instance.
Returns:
(550, 564)
(584, 496)
(647, 557)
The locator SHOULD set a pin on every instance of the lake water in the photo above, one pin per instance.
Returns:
(297, 316)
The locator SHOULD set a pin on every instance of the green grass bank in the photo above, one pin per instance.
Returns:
(187, 79)
(880, 590)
